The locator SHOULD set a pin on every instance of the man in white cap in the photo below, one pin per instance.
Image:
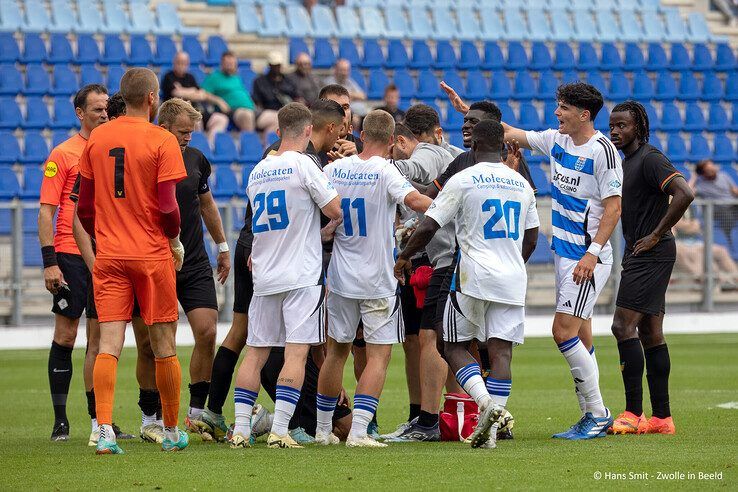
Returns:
(271, 92)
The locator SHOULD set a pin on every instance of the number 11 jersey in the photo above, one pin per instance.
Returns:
(286, 193)
(493, 206)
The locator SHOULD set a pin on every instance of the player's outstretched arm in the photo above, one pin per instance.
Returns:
(211, 217)
(610, 217)
(333, 209)
(530, 240)
(516, 135)
(454, 98)
(418, 202)
(419, 240)
(682, 197)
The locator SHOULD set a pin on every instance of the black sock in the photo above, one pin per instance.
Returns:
(60, 375)
(224, 365)
(484, 361)
(631, 367)
(658, 366)
(374, 419)
(426, 419)
(148, 401)
(198, 394)
(91, 403)
(414, 411)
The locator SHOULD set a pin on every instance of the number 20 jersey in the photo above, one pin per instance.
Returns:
(493, 206)
(286, 193)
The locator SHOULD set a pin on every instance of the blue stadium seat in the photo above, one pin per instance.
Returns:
(348, 50)
(542, 254)
(508, 115)
(654, 121)
(247, 18)
(11, 81)
(698, 148)
(169, 21)
(666, 87)
(653, 28)
(607, 26)
(37, 114)
(34, 49)
(456, 139)
(588, 59)
(679, 59)
(702, 58)
(610, 57)
(444, 23)
(671, 120)
(247, 76)
(32, 177)
(501, 89)
(689, 89)
(298, 21)
(725, 58)
(378, 80)
(596, 79)
(634, 60)
(323, 54)
(143, 20)
(89, 74)
(543, 184)
(11, 150)
(216, 47)
(445, 56)
(224, 149)
(31, 251)
(323, 22)
(540, 57)
(9, 186)
(657, 59)
(348, 21)
(397, 26)
(723, 149)
(274, 23)
(59, 136)
(676, 29)
(112, 82)
(619, 88)
(602, 120)
(37, 18)
(712, 87)
(65, 81)
(226, 185)
(528, 117)
(245, 174)
(642, 87)
(477, 87)
(517, 58)
(64, 17)
(453, 79)
(114, 51)
(87, 50)
(471, 28)
(428, 86)
(694, 119)
(358, 77)
(493, 57)
(404, 83)
(718, 119)
(90, 19)
(297, 46)
(583, 25)
(64, 115)
(525, 86)
(396, 54)
(200, 142)
(676, 149)
(547, 85)
(140, 51)
(10, 114)
(35, 149)
(453, 122)
(654, 140)
(630, 26)
(200, 76)
(699, 32)
(11, 18)
(561, 26)
(543, 30)
(516, 28)
(731, 87)
(468, 56)
(165, 51)
(420, 23)
(60, 51)
(570, 76)
(422, 56)
(251, 148)
(9, 50)
(192, 46)
(549, 118)
(492, 27)
(116, 21)
(373, 56)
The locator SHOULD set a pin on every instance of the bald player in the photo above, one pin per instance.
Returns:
(138, 250)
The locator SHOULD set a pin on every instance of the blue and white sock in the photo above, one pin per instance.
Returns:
(499, 390)
(583, 370)
(284, 408)
(365, 407)
(326, 406)
(470, 378)
(245, 400)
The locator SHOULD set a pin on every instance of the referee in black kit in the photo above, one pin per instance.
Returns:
(650, 251)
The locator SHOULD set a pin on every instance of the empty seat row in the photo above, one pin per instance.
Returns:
(63, 81)
(37, 114)
(89, 18)
(114, 50)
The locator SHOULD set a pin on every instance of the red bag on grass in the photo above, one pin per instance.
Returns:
(458, 418)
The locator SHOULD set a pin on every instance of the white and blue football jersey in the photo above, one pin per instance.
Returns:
(582, 176)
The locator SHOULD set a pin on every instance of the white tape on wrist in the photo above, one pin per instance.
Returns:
(223, 247)
(594, 249)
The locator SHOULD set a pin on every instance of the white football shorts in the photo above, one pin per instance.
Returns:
(295, 316)
(467, 318)
(382, 319)
(578, 300)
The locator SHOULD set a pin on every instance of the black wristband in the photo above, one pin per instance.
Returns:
(48, 254)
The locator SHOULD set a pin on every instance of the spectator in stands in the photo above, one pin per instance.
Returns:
(690, 254)
(179, 82)
(227, 85)
(307, 84)
(391, 100)
(342, 76)
(271, 92)
(711, 183)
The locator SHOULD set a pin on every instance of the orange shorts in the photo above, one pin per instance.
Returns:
(154, 283)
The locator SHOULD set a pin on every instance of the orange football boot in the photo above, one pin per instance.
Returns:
(629, 423)
(656, 425)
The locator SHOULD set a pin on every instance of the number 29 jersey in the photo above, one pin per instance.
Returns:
(286, 193)
(493, 206)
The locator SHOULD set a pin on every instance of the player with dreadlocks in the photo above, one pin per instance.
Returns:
(649, 179)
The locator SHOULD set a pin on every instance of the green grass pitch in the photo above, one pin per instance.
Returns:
(704, 374)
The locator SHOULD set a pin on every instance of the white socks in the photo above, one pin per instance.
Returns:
(585, 374)
(325, 408)
(284, 408)
(470, 378)
(365, 406)
(244, 400)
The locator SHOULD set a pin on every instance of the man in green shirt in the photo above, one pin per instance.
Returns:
(227, 85)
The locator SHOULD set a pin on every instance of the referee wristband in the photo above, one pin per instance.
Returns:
(48, 254)
(594, 249)
(223, 247)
